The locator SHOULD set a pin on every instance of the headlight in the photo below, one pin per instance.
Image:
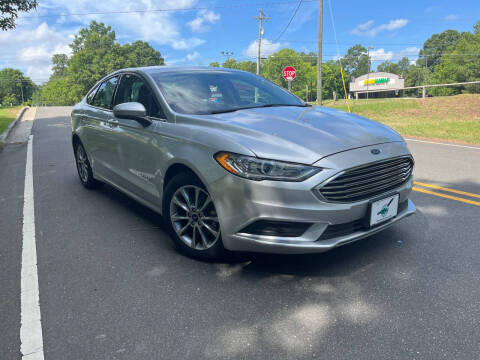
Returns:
(260, 169)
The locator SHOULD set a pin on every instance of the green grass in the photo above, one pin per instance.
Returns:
(7, 115)
(453, 118)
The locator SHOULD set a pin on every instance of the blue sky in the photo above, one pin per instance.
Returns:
(197, 37)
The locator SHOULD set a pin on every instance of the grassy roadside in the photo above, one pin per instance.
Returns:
(7, 115)
(453, 118)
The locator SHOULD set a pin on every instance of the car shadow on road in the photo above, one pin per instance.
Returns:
(337, 262)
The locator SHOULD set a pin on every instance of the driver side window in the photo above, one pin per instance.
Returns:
(133, 89)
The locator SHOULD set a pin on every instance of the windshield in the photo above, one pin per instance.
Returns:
(211, 92)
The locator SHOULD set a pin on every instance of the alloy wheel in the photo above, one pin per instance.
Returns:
(194, 218)
(82, 163)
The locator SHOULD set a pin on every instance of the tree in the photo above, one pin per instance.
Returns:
(331, 80)
(13, 84)
(389, 67)
(356, 61)
(96, 53)
(140, 53)
(403, 66)
(272, 69)
(60, 91)
(476, 28)
(230, 64)
(437, 46)
(462, 64)
(310, 57)
(249, 66)
(59, 62)
(9, 100)
(214, 64)
(9, 10)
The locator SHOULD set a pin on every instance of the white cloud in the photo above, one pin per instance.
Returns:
(381, 55)
(368, 28)
(32, 44)
(193, 56)
(267, 49)
(156, 27)
(204, 17)
(31, 49)
(452, 17)
(410, 51)
(185, 44)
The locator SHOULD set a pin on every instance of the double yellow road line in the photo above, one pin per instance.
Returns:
(447, 196)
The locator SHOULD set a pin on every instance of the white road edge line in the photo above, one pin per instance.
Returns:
(437, 143)
(31, 337)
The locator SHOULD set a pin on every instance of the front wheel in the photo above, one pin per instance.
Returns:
(191, 218)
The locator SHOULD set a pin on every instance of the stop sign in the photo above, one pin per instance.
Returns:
(289, 73)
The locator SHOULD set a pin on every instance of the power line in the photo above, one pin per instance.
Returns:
(265, 4)
(291, 19)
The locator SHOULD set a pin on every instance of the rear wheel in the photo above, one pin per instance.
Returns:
(83, 167)
(192, 219)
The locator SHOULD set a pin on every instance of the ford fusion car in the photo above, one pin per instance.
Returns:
(234, 162)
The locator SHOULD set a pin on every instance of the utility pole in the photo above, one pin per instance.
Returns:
(21, 89)
(260, 19)
(369, 66)
(319, 55)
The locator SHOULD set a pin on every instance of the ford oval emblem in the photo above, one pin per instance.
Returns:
(375, 151)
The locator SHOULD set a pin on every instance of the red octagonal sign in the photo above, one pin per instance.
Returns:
(289, 73)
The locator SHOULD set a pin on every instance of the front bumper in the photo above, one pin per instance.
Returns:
(269, 244)
(240, 202)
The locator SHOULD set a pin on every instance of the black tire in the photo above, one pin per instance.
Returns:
(84, 169)
(216, 251)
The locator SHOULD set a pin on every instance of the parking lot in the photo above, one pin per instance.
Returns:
(111, 285)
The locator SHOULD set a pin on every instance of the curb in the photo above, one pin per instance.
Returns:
(10, 127)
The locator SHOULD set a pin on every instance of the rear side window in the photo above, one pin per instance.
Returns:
(104, 96)
(133, 89)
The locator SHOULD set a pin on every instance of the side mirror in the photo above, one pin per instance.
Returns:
(132, 111)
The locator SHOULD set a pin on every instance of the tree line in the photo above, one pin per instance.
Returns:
(446, 57)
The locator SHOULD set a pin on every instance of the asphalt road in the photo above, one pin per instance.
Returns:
(112, 286)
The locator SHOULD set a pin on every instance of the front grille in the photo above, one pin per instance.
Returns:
(366, 181)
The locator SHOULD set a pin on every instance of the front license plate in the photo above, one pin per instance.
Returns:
(382, 210)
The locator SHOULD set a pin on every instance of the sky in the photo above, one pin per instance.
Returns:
(198, 36)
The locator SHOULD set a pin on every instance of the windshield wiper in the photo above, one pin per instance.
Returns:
(255, 107)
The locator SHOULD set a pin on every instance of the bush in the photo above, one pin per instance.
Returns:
(9, 100)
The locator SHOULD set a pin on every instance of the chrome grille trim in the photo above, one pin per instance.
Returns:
(367, 181)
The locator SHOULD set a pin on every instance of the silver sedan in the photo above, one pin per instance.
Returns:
(234, 162)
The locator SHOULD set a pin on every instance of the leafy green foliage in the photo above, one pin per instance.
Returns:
(96, 53)
(9, 10)
(60, 63)
(452, 57)
(12, 84)
(305, 64)
(356, 61)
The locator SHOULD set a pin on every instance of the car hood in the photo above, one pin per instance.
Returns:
(299, 134)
